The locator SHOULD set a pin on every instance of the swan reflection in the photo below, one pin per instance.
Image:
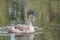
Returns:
(26, 37)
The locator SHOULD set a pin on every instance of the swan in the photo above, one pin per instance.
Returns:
(22, 28)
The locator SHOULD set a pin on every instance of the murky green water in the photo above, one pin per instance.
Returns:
(37, 36)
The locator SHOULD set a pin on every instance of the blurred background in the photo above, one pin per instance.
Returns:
(13, 12)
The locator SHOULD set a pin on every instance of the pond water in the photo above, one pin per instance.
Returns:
(37, 36)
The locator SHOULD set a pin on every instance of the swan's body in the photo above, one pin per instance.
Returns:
(25, 28)
(29, 28)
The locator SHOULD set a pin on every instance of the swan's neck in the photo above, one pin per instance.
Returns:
(29, 20)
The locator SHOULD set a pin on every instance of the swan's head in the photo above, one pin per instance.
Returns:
(31, 12)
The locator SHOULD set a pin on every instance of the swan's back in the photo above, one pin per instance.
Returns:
(22, 27)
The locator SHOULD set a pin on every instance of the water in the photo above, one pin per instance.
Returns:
(13, 36)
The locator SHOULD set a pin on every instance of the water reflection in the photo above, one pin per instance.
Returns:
(26, 37)
(12, 37)
(22, 37)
